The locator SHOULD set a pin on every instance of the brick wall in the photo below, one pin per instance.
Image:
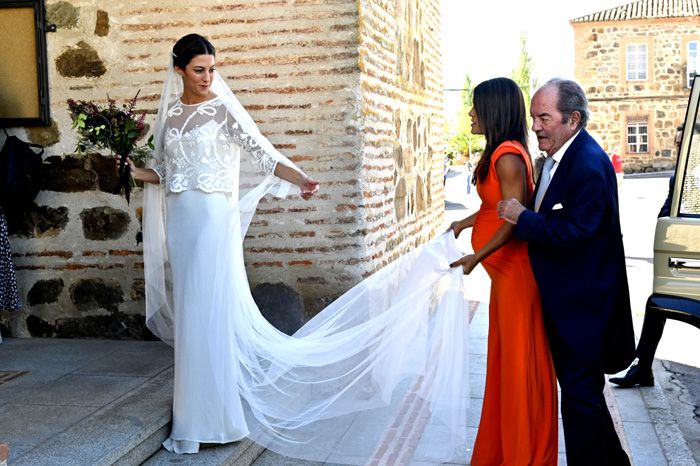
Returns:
(662, 98)
(350, 91)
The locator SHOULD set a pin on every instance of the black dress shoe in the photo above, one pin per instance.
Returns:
(635, 376)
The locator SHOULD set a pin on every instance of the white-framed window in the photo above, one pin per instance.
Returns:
(637, 135)
(637, 62)
(692, 62)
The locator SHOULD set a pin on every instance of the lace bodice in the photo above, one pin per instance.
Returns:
(202, 145)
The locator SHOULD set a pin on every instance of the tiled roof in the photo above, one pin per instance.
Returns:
(645, 9)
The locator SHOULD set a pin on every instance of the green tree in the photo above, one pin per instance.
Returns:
(462, 142)
(522, 74)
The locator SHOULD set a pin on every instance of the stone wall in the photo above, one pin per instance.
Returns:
(403, 124)
(662, 98)
(350, 91)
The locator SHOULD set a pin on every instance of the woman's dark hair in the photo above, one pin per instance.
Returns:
(190, 46)
(500, 109)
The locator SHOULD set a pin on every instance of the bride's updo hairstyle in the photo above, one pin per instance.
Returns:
(190, 46)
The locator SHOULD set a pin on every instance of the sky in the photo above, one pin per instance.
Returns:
(482, 38)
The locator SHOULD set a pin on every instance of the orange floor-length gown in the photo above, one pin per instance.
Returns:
(518, 425)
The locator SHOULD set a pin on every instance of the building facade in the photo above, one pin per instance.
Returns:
(350, 90)
(636, 63)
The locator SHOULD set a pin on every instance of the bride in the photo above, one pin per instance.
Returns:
(380, 375)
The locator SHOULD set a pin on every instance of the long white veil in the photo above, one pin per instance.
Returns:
(378, 377)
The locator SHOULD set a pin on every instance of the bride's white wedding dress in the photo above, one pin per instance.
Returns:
(378, 377)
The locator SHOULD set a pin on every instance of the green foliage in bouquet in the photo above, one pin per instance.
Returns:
(115, 128)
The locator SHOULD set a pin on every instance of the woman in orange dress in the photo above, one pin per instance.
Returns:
(518, 425)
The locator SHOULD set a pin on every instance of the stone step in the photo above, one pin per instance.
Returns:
(129, 431)
(242, 453)
(125, 432)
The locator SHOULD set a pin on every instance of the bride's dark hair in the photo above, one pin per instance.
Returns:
(500, 108)
(190, 46)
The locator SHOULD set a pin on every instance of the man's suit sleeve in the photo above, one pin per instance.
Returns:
(585, 208)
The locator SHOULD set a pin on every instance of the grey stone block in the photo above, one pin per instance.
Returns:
(44, 135)
(29, 424)
(63, 14)
(96, 293)
(477, 384)
(145, 448)
(84, 390)
(631, 405)
(474, 411)
(477, 364)
(112, 432)
(80, 61)
(68, 174)
(242, 453)
(269, 458)
(45, 291)
(280, 305)
(103, 223)
(102, 23)
(16, 449)
(670, 437)
(8, 394)
(560, 439)
(35, 378)
(644, 444)
(40, 221)
(125, 363)
(477, 346)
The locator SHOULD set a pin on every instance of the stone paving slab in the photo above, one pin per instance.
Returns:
(83, 390)
(24, 426)
(113, 431)
(669, 434)
(84, 401)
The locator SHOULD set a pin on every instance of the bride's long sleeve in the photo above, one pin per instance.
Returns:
(158, 166)
(248, 143)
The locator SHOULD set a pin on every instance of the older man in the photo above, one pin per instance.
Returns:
(573, 231)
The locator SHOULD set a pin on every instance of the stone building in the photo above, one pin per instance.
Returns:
(636, 63)
(350, 90)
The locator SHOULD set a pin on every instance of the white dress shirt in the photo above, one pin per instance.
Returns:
(560, 153)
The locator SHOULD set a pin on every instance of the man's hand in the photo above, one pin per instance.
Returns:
(510, 210)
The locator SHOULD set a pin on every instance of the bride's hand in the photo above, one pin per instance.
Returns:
(139, 174)
(308, 187)
(129, 162)
(467, 262)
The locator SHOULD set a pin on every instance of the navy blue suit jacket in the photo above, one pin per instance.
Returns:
(578, 259)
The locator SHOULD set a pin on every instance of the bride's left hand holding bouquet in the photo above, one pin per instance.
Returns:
(117, 129)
